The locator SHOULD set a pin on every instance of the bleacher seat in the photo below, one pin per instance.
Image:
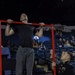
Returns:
(5, 50)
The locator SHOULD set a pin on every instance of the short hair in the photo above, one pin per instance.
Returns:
(24, 14)
(71, 56)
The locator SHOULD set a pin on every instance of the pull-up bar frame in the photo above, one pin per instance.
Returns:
(35, 24)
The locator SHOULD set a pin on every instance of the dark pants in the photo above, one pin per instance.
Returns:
(24, 56)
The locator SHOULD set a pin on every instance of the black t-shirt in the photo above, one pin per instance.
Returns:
(64, 69)
(25, 34)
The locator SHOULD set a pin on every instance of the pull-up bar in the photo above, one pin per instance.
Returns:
(35, 24)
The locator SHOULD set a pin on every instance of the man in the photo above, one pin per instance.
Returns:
(64, 68)
(25, 53)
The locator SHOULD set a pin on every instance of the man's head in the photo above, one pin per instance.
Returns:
(66, 56)
(23, 17)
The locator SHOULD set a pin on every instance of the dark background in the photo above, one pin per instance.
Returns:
(47, 11)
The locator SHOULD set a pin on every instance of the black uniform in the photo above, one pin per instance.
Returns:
(64, 69)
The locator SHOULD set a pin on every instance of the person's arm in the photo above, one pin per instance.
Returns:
(9, 31)
(40, 32)
(53, 65)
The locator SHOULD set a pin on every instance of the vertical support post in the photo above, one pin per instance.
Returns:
(53, 49)
(0, 51)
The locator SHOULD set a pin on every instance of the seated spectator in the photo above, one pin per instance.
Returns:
(64, 40)
(57, 57)
(67, 44)
(60, 43)
(64, 68)
(73, 40)
(58, 33)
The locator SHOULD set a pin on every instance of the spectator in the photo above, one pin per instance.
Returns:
(64, 68)
(67, 44)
